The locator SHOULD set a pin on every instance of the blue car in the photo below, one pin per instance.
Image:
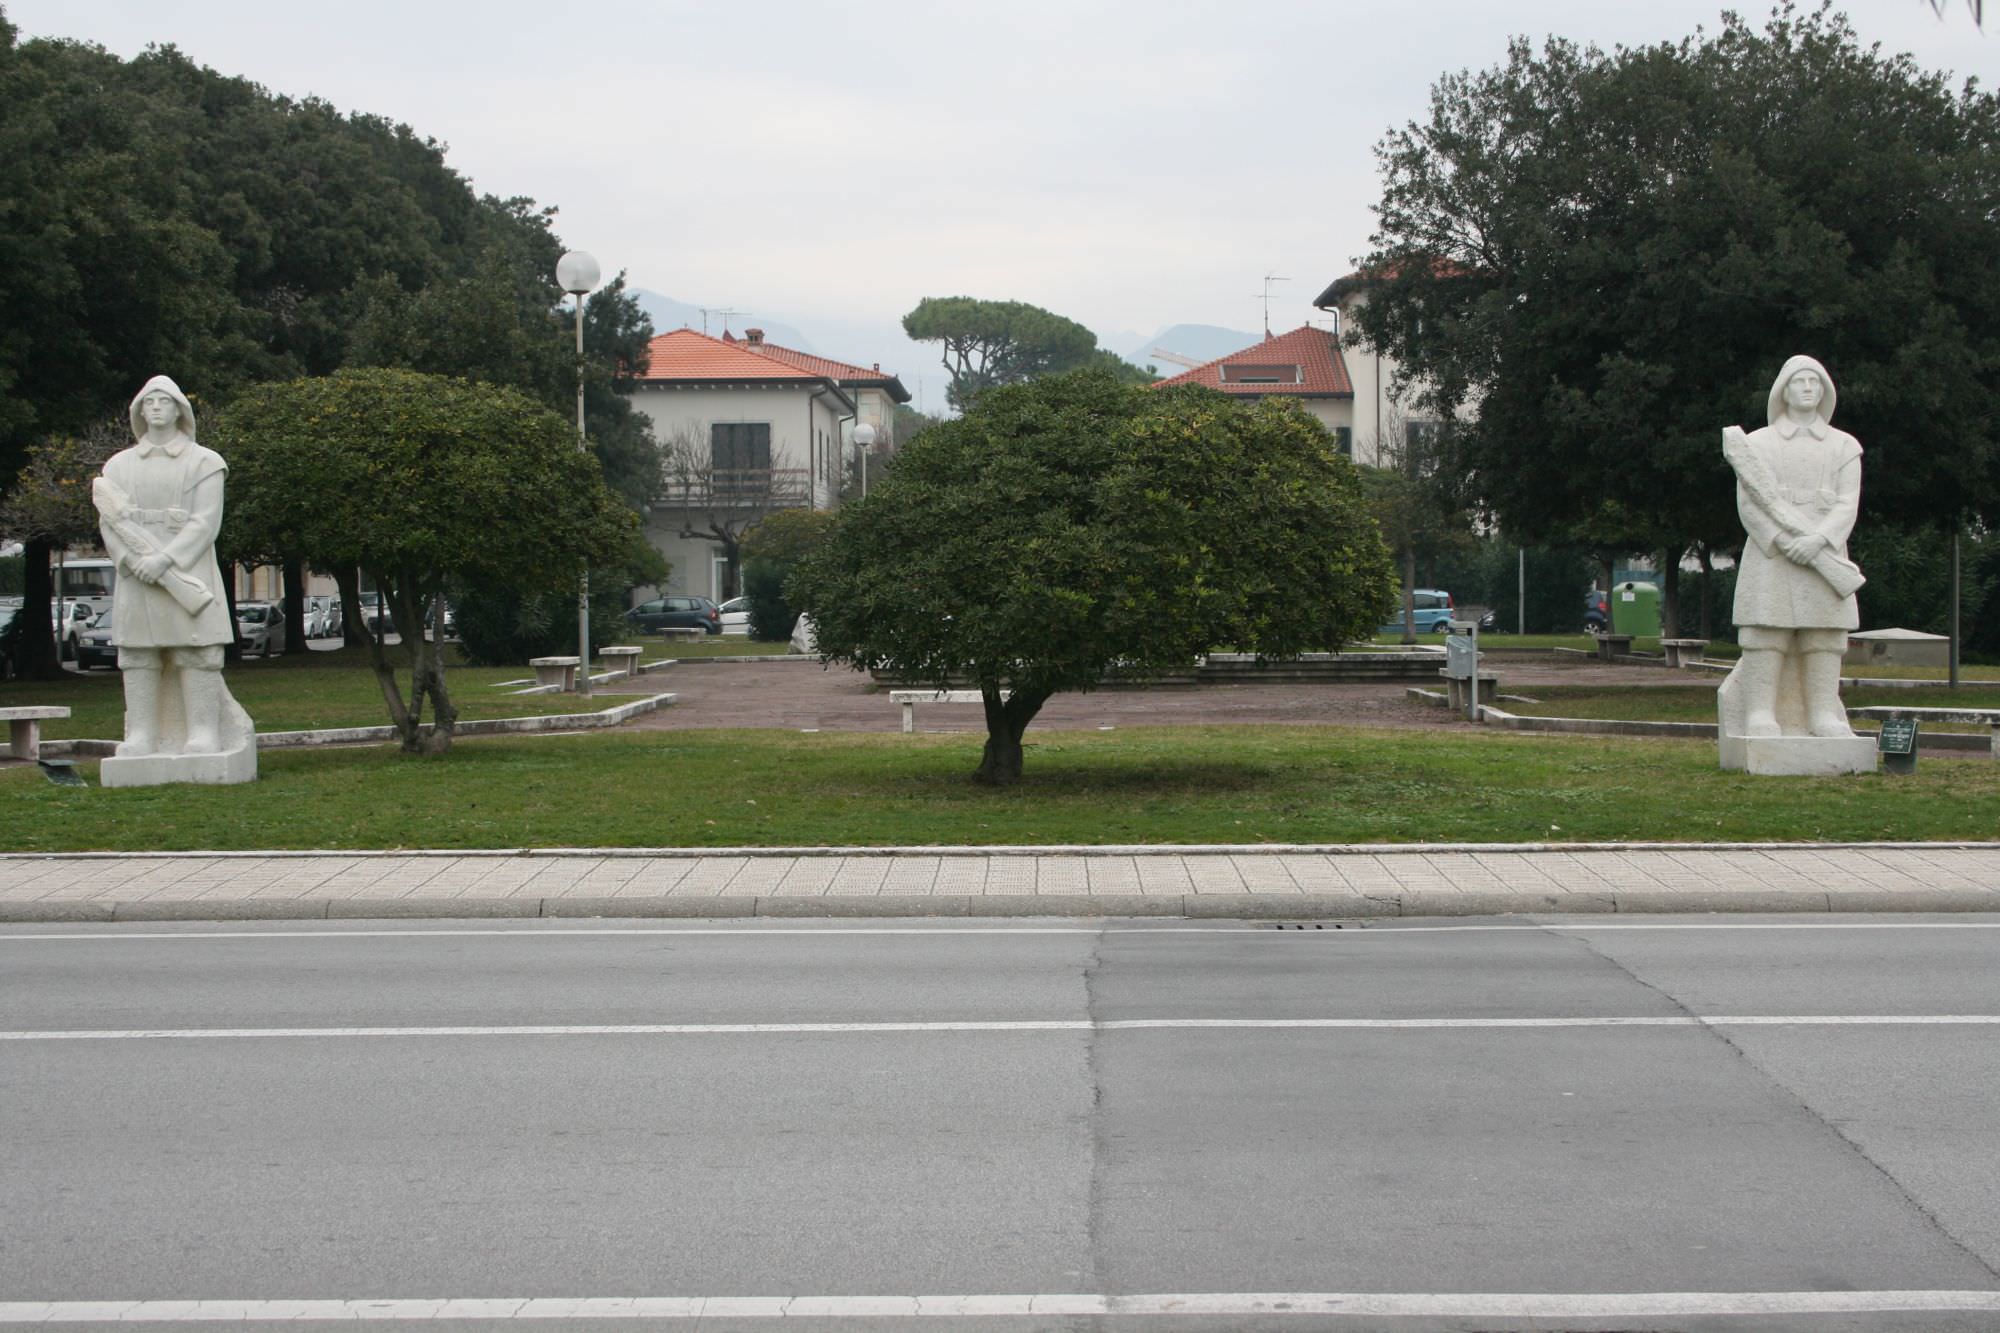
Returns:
(1433, 613)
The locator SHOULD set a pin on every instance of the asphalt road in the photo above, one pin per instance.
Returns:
(1094, 1112)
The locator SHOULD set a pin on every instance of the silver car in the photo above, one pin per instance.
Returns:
(261, 627)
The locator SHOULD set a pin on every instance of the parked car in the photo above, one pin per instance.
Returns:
(1432, 615)
(1596, 612)
(735, 616)
(68, 624)
(675, 613)
(322, 617)
(94, 648)
(261, 627)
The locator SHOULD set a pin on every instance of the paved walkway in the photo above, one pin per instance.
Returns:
(1291, 882)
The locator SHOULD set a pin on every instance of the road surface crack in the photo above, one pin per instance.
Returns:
(1812, 1112)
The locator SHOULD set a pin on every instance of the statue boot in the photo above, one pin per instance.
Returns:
(1825, 715)
(1758, 677)
(201, 696)
(142, 712)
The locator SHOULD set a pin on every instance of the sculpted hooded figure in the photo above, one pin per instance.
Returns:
(1798, 488)
(159, 506)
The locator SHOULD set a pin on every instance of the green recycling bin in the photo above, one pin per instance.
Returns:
(1635, 610)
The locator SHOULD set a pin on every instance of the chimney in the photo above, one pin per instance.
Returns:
(876, 367)
(755, 337)
(728, 337)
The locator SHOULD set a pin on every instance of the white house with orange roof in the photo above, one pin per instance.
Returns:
(874, 390)
(1378, 414)
(745, 429)
(1305, 365)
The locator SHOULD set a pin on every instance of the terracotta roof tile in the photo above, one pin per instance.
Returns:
(686, 355)
(831, 369)
(1311, 356)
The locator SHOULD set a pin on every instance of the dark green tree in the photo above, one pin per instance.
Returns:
(989, 343)
(1604, 258)
(1073, 525)
(771, 551)
(418, 481)
(160, 216)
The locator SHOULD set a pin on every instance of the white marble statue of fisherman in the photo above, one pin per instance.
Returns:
(159, 506)
(1798, 488)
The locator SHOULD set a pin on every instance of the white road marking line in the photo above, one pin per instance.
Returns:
(1384, 927)
(1011, 1025)
(1378, 1305)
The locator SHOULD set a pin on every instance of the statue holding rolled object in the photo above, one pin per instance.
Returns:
(1798, 489)
(159, 506)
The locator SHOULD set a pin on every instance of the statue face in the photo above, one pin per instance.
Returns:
(160, 409)
(1803, 392)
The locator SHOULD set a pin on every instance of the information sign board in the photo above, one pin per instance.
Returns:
(1898, 744)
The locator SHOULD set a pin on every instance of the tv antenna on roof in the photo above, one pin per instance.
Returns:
(725, 312)
(1269, 278)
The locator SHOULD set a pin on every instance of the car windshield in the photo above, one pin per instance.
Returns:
(103, 620)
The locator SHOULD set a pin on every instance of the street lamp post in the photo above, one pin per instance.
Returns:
(577, 273)
(864, 437)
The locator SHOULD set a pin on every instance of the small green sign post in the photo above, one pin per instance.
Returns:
(1898, 745)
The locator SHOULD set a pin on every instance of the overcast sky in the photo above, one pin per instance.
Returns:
(829, 164)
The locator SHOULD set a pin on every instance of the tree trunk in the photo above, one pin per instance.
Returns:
(1409, 594)
(295, 607)
(426, 674)
(1707, 591)
(349, 581)
(1670, 593)
(1000, 765)
(37, 655)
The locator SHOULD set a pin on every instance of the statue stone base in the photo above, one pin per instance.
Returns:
(1798, 756)
(1796, 753)
(235, 760)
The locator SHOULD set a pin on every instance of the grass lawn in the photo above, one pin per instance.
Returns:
(1148, 786)
(1696, 703)
(319, 689)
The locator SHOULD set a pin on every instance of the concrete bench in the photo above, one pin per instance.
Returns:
(1611, 646)
(557, 671)
(24, 728)
(909, 699)
(1978, 717)
(692, 633)
(1458, 691)
(621, 659)
(1682, 652)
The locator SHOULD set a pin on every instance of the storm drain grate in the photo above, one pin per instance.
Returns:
(1318, 925)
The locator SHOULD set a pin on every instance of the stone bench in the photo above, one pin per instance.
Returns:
(1611, 646)
(24, 728)
(1458, 691)
(909, 699)
(621, 659)
(1978, 717)
(1682, 652)
(691, 633)
(557, 671)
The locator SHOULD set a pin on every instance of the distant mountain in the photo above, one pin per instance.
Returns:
(668, 314)
(1199, 342)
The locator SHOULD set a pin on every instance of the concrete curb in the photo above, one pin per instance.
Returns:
(1198, 907)
(1028, 849)
(613, 716)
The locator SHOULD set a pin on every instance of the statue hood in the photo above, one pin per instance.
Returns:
(1775, 410)
(165, 385)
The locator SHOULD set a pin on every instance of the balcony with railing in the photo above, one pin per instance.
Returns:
(768, 486)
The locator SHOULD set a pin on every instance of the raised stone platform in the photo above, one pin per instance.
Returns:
(238, 764)
(1798, 756)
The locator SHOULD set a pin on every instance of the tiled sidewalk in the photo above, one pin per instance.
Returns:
(1360, 881)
